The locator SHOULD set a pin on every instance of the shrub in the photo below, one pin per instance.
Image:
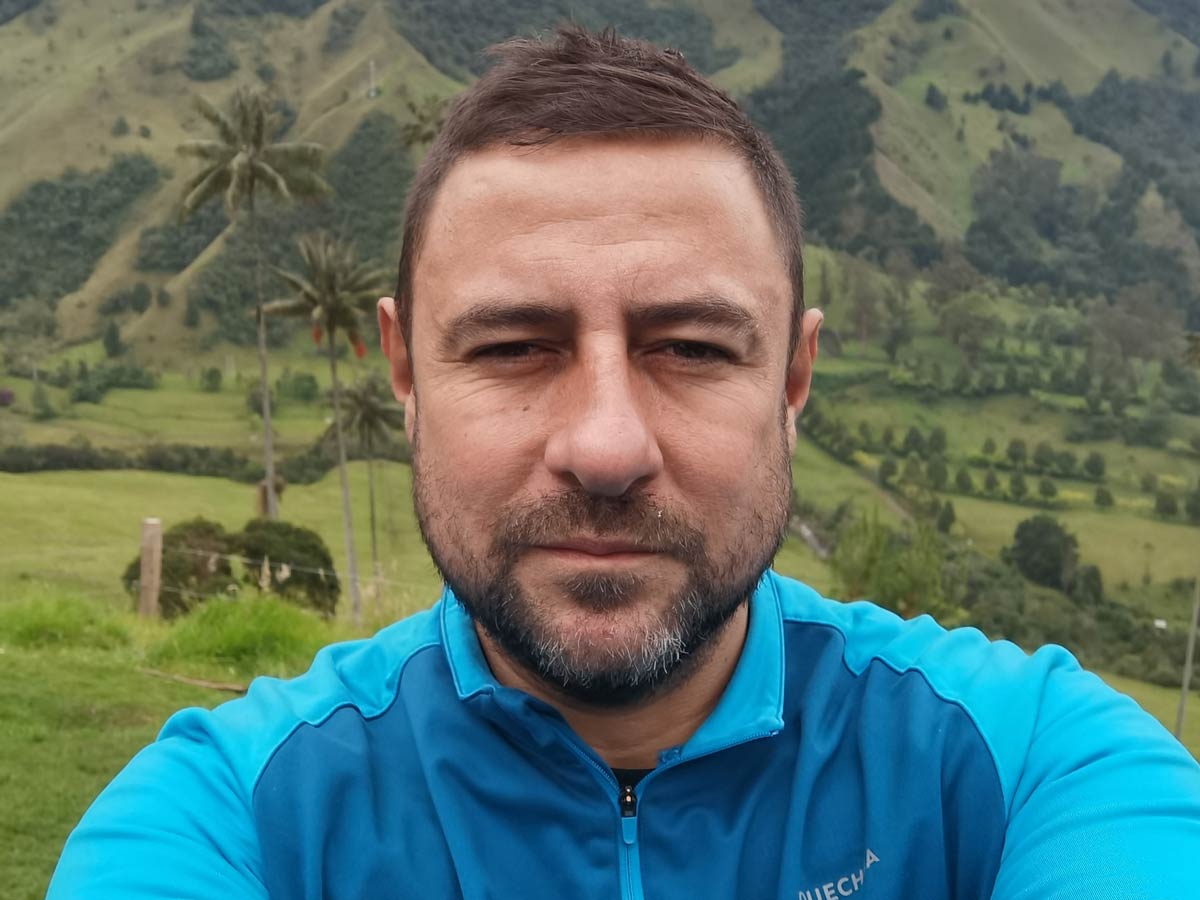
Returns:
(249, 637)
(307, 578)
(1087, 586)
(299, 386)
(935, 99)
(112, 341)
(120, 127)
(1016, 452)
(1149, 483)
(42, 410)
(888, 469)
(60, 622)
(946, 518)
(1191, 506)
(1044, 552)
(210, 380)
(963, 482)
(991, 483)
(194, 566)
(1047, 489)
(1016, 486)
(1094, 465)
(7, 397)
(254, 400)
(1166, 504)
(1103, 498)
(144, 131)
(208, 56)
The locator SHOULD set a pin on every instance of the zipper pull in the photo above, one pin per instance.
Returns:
(628, 802)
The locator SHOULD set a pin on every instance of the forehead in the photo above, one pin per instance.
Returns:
(589, 219)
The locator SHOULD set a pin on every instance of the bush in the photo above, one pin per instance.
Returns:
(7, 397)
(120, 127)
(1166, 504)
(134, 299)
(1017, 486)
(112, 340)
(301, 567)
(194, 566)
(1191, 506)
(42, 409)
(1103, 498)
(935, 99)
(928, 10)
(1044, 552)
(60, 622)
(1094, 465)
(208, 56)
(1047, 489)
(210, 380)
(248, 637)
(254, 400)
(299, 386)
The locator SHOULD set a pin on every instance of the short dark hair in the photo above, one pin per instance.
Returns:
(581, 83)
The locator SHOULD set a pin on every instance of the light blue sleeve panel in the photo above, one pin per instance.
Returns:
(178, 822)
(175, 823)
(1104, 802)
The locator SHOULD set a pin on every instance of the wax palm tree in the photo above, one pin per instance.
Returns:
(334, 291)
(237, 163)
(370, 414)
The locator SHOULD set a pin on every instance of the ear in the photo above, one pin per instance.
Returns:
(391, 341)
(799, 374)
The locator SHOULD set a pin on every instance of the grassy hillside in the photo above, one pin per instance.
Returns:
(927, 157)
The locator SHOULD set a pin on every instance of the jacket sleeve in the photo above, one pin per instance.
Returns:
(1104, 803)
(176, 823)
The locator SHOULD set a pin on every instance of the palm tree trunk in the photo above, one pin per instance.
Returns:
(347, 521)
(264, 381)
(371, 495)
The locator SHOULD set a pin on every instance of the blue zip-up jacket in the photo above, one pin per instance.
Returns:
(853, 754)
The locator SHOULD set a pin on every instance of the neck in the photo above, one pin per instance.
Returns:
(631, 737)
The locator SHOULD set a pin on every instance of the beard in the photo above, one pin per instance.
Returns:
(650, 650)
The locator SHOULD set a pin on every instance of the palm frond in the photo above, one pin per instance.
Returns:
(241, 184)
(306, 184)
(225, 127)
(212, 182)
(272, 180)
(292, 306)
(210, 151)
(298, 283)
(287, 156)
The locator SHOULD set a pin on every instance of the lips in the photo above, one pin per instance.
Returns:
(598, 547)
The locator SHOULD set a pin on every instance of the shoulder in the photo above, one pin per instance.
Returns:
(360, 675)
(1023, 706)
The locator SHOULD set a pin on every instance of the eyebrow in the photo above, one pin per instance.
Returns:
(706, 310)
(486, 318)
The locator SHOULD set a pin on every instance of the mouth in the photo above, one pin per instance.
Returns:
(603, 550)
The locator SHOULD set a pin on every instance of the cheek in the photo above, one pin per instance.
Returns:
(724, 462)
(484, 456)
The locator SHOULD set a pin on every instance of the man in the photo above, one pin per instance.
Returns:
(600, 341)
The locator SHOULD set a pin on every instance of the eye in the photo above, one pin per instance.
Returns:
(697, 351)
(514, 350)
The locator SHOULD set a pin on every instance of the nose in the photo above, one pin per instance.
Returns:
(605, 443)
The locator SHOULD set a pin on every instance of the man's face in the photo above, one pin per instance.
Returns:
(600, 400)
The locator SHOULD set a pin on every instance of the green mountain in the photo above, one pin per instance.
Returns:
(1053, 142)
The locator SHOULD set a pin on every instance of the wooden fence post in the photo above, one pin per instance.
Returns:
(151, 574)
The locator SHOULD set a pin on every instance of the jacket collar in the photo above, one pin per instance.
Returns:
(751, 707)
